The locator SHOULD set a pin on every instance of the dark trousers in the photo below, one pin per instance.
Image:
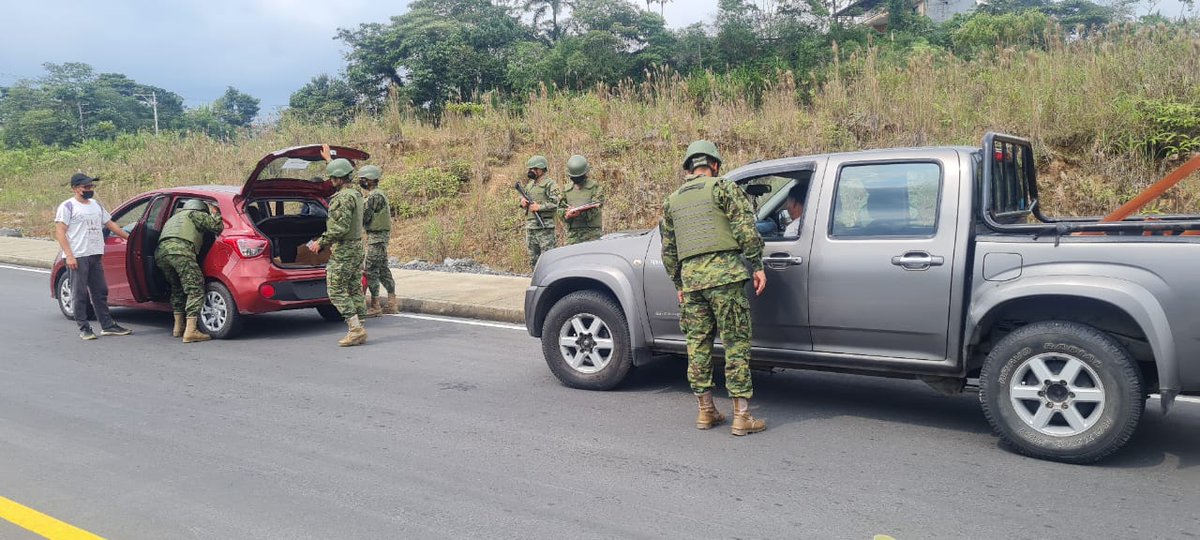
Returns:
(87, 281)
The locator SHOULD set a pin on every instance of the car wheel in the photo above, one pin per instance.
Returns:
(330, 313)
(219, 317)
(1062, 391)
(66, 297)
(585, 340)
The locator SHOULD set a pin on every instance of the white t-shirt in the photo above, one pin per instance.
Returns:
(85, 225)
(793, 228)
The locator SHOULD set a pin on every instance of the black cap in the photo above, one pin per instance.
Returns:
(80, 179)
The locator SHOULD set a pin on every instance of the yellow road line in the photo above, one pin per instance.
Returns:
(41, 524)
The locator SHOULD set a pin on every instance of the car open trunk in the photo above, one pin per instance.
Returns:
(288, 224)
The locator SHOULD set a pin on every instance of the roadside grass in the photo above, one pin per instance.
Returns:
(1097, 109)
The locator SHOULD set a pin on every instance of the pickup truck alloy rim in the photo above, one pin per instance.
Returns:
(1057, 394)
(64, 295)
(215, 311)
(586, 343)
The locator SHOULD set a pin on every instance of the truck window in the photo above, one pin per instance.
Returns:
(886, 200)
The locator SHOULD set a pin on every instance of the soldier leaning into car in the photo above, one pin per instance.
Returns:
(708, 235)
(343, 235)
(541, 236)
(179, 245)
(584, 225)
(377, 219)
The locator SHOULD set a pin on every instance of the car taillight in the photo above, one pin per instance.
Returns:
(267, 290)
(247, 247)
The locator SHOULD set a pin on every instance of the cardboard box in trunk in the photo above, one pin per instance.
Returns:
(305, 256)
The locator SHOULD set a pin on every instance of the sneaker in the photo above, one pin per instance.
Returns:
(115, 330)
(86, 334)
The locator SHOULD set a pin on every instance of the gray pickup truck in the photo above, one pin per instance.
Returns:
(930, 263)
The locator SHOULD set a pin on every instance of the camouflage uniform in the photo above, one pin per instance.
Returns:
(588, 225)
(177, 258)
(343, 234)
(541, 239)
(377, 242)
(714, 296)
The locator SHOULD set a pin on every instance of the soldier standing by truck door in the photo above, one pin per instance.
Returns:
(178, 246)
(582, 224)
(377, 219)
(542, 235)
(343, 235)
(708, 236)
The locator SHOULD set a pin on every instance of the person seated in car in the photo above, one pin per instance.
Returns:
(795, 209)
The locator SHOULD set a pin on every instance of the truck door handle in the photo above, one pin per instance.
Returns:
(917, 260)
(779, 261)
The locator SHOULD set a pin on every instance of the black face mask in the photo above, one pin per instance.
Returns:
(580, 180)
(532, 175)
(365, 185)
(88, 194)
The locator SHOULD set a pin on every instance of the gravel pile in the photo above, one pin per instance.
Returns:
(457, 266)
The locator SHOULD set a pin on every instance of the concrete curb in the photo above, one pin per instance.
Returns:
(32, 262)
(454, 309)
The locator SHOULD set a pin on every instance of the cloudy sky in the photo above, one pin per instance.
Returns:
(267, 48)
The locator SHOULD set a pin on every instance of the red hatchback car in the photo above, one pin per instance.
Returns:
(249, 268)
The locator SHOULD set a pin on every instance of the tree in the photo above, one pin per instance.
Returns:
(324, 99)
(553, 8)
(236, 108)
(662, 6)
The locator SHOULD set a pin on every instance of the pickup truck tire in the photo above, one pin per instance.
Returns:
(585, 340)
(1061, 391)
(219, 317)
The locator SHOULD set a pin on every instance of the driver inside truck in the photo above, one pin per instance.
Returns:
(795, 209)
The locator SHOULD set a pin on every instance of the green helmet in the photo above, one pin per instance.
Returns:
(537, 162)
(370, 172)
(195, 204)
(339, 168)
(700, 148)
(577, 166)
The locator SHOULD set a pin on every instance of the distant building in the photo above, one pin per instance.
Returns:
(874, 13)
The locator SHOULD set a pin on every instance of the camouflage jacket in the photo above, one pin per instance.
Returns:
(344, 223)
(715, 269)
(376, 202)
(545, 192)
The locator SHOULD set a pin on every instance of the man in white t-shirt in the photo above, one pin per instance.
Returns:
(78, 227)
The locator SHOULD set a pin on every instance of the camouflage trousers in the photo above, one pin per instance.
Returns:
(178, 263)
(377, 269)
(705, 312)
(576, 235)
(540, 241)
(343, 276)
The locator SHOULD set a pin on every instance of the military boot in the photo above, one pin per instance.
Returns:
(191, 334)
(709, 416)
(373, 309)
(743, 423)
(391, 306)
(178, 330)
(356, 335)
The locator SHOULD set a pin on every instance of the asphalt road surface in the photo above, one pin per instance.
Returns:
(440, 429)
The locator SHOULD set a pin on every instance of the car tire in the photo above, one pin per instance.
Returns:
(219, 317)
(62, 287)
(1062, 391)
(330, 314)
(585, 340)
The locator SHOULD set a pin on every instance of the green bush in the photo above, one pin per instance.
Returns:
(420, 191)
(1174, 128)
(982, 31)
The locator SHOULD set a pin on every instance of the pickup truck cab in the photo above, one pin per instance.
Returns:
(930, 263)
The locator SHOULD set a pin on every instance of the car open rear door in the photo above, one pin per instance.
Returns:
(139, 263)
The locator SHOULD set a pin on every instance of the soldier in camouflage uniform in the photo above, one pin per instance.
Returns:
(343, 234)
(377, 220)
(541, 237)
(588, 224)
(179, 245)
(708, 236)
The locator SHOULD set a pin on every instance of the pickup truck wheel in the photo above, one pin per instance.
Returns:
(219, 317)
(1062, 391)
(66, 297)
(585, 340)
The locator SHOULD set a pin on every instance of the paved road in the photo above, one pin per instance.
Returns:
(445, 430)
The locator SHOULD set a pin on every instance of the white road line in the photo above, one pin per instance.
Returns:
(460, 321)
(25, 269)
(1183, 399)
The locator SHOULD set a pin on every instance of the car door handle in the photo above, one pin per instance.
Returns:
(917, 260)
(779, 261)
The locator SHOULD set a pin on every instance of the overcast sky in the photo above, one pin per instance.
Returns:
(266, 48)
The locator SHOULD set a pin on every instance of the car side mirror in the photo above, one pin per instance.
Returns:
(758, 190)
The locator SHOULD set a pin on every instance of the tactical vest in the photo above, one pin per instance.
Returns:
(182, 227)
(356, 221)
(537, 189)
(382, 220)
(700, 227)
(579, 196)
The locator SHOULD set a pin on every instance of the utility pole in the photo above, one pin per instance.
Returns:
(152, 101)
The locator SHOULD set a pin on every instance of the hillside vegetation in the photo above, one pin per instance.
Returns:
(1108, 113)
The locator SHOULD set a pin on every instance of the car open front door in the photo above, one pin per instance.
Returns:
(139, 261)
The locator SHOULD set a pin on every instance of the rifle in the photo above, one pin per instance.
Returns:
(524, 195)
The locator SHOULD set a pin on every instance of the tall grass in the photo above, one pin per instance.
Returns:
(1082, 102)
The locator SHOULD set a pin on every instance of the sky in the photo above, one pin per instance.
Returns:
(196, 48)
